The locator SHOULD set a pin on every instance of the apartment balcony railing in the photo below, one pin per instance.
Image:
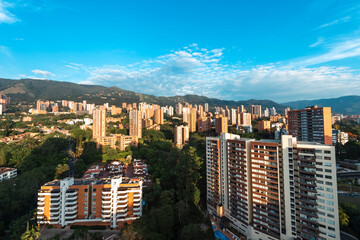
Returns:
(106, 210)
(122, 201)
(106, 197)
(72, 198)
(106, 201)
(105, 216)
(122, 205)
(136, 209)
(121, 215)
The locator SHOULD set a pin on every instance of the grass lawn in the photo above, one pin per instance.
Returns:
(350, 200)
(346, 187)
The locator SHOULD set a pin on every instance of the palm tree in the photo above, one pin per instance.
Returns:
(31, 233)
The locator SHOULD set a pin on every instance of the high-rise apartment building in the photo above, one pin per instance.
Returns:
(221, 124)
(206, 107)
(135, 123)
(99, 123)
(244, 119)
(241, 109)
(264, 125)
(179, 109)
(233, 116)
(181, 135)
(192, 120)
(311, 124)
(269, 189)
(110, 202)
(256, 110)
(204, 124)
(159, 116)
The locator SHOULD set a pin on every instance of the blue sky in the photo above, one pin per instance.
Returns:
(278, 50)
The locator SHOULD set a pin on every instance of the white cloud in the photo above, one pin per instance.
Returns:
(5, 51)
(42, 73)
(5, 15)
(194, 70)
(339, 50)
(318, 42)
(337, 21)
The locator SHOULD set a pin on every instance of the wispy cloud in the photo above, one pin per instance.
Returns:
(5, 51)
(337, 21)
(318, 42)
(342, 49)
(5, 15)
(194, 70)
(42, 73)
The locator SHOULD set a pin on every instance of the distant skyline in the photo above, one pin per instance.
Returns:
(235, 50)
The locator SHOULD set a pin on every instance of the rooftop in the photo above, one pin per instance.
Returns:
(6, 169)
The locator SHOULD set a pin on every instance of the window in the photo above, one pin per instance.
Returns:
(327, 164)
(328, 177)
(330, 209)
(329, 196)
(327, 152)
(329, 202)
(94, 194)
(331, 222)
(329, 189)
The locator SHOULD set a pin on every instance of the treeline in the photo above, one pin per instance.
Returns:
(173, 205)
(349, 217)
(37, 163)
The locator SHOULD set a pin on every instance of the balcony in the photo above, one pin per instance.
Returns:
(41, 198)
(122, 210)
(54, 217)
(55, 198)
(105, 216)
(136, 209)
(106, 197)
(121, 215)
(136, 203)
(122, 201)
(70, 208)
(72, 198)
(54, 208)
(70, 215)
(106, 202)
(106, 211)
(122, 205)
(70, 212)
(106, 190)
(41, 209)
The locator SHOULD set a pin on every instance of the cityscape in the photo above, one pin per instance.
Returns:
(179, 120)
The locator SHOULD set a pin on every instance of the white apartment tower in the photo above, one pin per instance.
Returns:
(270, 189)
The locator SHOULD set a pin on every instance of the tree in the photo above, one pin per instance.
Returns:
(31, 233)
(343, 218)
(60, 169)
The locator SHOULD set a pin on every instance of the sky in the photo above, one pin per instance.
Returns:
(235, 50)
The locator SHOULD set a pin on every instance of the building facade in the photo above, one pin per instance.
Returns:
(110, 202)
(269, 189)
(181, 135)
(311, 124)
(135, 122)
(99, 123)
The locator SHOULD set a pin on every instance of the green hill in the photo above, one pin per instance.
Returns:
(343, 105)
(33, 89)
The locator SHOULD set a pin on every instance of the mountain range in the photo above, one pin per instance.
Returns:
(34, 89)
(31, 90)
